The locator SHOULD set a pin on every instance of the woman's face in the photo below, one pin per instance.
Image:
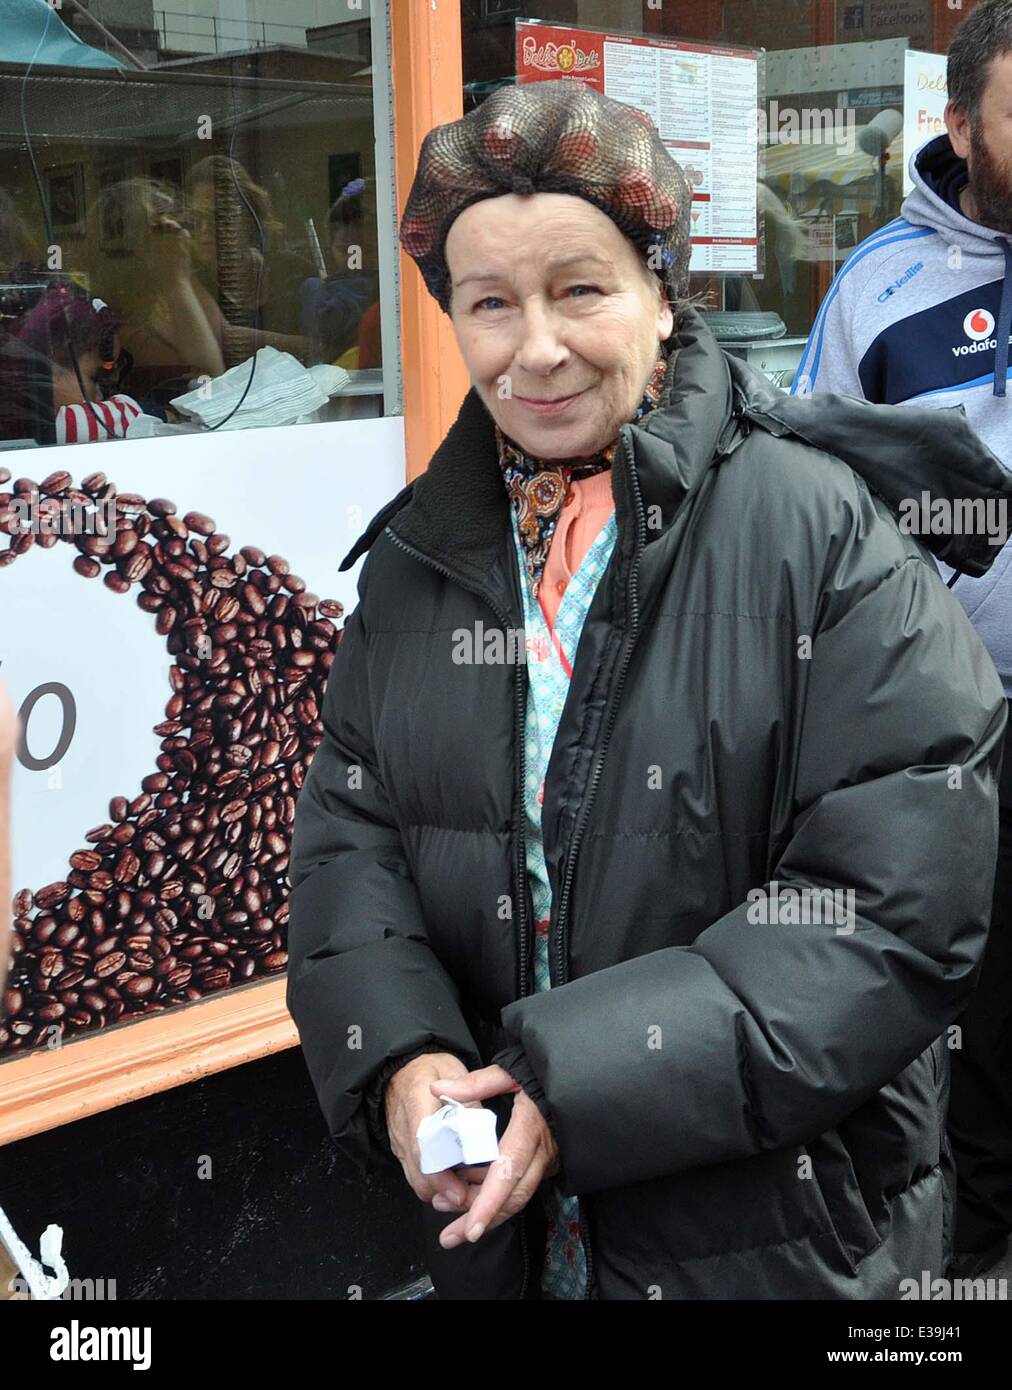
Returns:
(552, 303)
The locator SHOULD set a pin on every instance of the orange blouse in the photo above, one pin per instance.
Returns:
(587, 507)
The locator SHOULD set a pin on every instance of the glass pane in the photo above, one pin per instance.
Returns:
(830, 155)
(183, 192)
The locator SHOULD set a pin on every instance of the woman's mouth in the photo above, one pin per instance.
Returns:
(548, 407)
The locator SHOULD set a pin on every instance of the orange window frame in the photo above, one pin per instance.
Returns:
(49, 1088)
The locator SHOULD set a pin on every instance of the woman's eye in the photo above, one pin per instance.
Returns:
(492, 299)
(591, 288)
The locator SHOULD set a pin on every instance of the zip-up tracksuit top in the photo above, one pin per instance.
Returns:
(920, 314)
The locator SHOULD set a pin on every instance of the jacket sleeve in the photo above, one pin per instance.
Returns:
(760, 1036)
(364, 986)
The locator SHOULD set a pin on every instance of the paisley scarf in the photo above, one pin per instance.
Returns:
(537, 487)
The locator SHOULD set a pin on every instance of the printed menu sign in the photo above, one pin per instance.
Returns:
(701, 98)
(925, 94)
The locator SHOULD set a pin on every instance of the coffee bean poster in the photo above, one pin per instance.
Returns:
(169, 611)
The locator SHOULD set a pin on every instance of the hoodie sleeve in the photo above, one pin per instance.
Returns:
(763, 1034)
(364, 986)
(830, 361)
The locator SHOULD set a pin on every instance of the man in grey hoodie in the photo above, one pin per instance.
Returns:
(920, 314)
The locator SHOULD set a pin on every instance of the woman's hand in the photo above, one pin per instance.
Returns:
(407, 1099)
(527, 1154)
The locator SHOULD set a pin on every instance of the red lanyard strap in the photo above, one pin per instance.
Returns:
(556, 641)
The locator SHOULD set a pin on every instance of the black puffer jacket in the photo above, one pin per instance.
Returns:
(745, 1110)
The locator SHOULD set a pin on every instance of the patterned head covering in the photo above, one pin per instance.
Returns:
(551, 137)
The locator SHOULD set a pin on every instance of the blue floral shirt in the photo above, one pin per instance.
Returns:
(565, 1271)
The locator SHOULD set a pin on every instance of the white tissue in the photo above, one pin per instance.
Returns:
(282, 392)
(457, 1134)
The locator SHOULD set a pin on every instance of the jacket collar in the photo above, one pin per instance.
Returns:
(458, 512)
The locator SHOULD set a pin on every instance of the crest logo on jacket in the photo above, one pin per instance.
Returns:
(978, 324)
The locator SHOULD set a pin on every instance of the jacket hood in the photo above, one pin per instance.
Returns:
(910, 457)
(710, 401)
(937, 171)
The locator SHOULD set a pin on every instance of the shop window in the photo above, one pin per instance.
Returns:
(834, 81)
(186, 192)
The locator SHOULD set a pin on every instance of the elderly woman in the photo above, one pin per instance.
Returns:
(655, 806)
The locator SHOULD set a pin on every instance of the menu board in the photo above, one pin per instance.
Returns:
(703, 101)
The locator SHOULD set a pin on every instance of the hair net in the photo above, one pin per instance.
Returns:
(551, 137)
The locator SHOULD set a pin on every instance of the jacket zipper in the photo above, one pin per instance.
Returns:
(520, 848)
(561, 953)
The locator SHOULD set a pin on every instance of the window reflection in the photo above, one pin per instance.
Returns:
(215, 196)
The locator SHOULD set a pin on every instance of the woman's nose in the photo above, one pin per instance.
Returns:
(541, 349)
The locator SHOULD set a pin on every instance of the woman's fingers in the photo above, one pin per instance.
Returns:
(448, 1185)
(476, 1085)
(440, 1203)
(511, 1180)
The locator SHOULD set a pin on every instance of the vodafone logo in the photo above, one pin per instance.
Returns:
(978, 324)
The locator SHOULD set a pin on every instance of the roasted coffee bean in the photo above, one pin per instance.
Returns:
(130, 503)
(86, 567)
(86, 860)
(127, 867)
(110, 965)
(125, 543)
(55, 484)
(52, 894)
(154, 865)
(137, 565)
(216, 979)
(200, 523)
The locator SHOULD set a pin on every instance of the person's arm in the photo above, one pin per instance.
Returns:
(364, 986)
(830, 361)
(760, 1036)
(189, 329)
